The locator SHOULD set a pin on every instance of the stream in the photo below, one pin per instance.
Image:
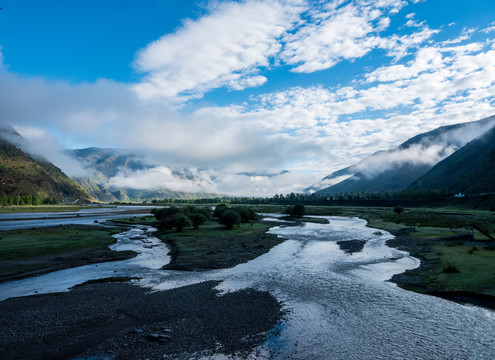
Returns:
(339, 305)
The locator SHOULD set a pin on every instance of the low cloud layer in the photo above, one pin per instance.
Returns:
(211, 181)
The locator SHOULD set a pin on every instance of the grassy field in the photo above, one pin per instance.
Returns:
(22, 243)
(141, 220)
(27, 252)
(214, 247)
(38, 208)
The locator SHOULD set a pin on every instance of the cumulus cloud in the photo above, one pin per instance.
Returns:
(230, 45)
(223, 48)
(338, 32)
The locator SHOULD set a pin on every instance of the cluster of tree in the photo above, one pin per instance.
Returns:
(6, 200)
(179, 218)
(230, 216)
(320, 199)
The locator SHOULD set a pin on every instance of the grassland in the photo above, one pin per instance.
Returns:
(214, 247)
(28, 252)
(38, 208)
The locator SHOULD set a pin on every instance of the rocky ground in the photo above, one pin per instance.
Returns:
(124, 321)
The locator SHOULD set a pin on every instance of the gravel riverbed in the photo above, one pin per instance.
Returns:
(125, 321)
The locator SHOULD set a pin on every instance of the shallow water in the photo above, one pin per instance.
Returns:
(152, 256)
(339, 306)
(85, 216)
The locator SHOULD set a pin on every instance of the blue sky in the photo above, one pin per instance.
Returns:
(229, 87)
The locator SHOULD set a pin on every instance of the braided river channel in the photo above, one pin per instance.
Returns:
(338, 304)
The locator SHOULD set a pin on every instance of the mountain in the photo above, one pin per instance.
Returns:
(22, 174)
(396, 169)
(471, 169)
(110, 167)
(332, 179)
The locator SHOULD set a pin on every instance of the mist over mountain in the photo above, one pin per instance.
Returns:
(122, 175)
(24, 174)
(469, 170)
(396, 169)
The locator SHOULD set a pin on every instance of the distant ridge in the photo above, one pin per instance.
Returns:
(470, 170)
(396, 169)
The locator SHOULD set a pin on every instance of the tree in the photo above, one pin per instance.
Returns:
(197, 219)
(219, 209)
(188, 210)
(298, 211)
(36, 200)
(398, 209)
(178, 221)
(246, 214)
(229, 218)
(162, 214)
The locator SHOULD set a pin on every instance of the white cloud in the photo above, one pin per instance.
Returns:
(212, 181)
(347, 32)
(299, 128)
(232, 44)
(224, 48)
(160, 177)
(489, 29)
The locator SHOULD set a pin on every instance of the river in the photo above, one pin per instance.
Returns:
(338, 305)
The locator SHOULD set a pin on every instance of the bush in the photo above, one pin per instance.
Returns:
(162, 214)
(197, 219)
(450, 268)
(229, 218)
(178, 221)
(246, 214)
(297, 211)
(189, 210)
(219, 209)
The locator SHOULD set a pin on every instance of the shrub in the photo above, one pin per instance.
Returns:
(197, 219)
(299, 210)
(194, 210)
(246, 214)
(450, 268)
(229, 218)
(178, 221)
(219, 209)
(162, 214)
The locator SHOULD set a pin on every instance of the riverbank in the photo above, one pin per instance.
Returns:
(31, 252)
(455, 268)
(118, 320)
(214, 247)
